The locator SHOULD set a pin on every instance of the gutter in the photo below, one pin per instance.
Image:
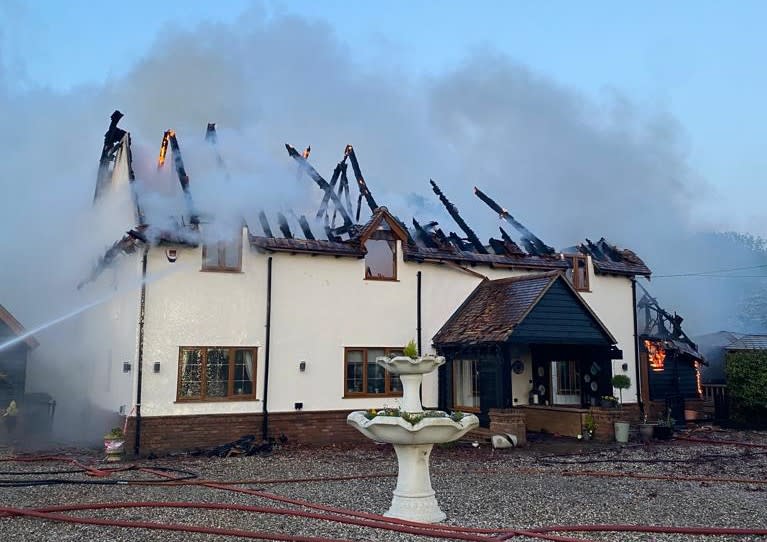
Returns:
(140, 362)
(267, 341)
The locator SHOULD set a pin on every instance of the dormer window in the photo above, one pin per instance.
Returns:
(222, 256)
(379, 239)
(381, 257)
(578, 274)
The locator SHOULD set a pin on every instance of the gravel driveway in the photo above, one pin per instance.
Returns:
(550, 482)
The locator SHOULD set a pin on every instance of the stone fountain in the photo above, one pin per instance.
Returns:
(413, 432)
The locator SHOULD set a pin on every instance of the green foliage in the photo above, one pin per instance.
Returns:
(413, 417)
(115, 433)
(589, 424)
(747, 387)
(410, 350)
(622, 382)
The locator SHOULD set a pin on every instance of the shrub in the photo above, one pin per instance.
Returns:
(747, 387)
(410, 350)
(622, 382)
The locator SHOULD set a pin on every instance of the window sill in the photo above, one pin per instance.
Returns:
(219, 270)
(218, 400)
(375, 279)
(369, 395)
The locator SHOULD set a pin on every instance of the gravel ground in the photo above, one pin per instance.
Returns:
(550, 482)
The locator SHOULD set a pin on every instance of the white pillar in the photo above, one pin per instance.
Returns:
(414, 498)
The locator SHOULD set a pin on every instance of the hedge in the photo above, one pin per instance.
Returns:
(747, 387)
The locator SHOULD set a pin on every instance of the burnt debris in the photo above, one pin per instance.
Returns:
(609, 259)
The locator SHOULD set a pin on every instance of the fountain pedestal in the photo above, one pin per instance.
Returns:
(413, 434)
(413, 497)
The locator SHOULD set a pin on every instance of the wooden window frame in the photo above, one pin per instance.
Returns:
(222, 247)
(575, 277)
(384, 235)
(388, 351)
(231, 396)
(574, 375)
(457, 369)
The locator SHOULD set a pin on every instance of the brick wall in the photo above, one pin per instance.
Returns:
(163, 434)
(509, 421)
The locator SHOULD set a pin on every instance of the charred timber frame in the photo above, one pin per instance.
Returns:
(472, 237)
(364, 190)
(322, 183)
(539, 247)
(169, 138)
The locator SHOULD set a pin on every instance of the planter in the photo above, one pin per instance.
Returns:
(663, 432)
(621, 432)
(646, 431)
(114, 448)
(607, 404)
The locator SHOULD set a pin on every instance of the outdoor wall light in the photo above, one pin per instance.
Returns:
(156, 367)
(126, 367)
(302, 366)
(298, 406)
(625, 366)
(171, 254)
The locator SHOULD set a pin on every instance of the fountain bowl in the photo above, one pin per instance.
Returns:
(404, 365)
(397, 430)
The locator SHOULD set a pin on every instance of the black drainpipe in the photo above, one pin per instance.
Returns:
(265, 425)
(636, 344)
(140, 372)
(418, 325)
(418, 315)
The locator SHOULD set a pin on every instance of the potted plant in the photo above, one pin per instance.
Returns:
(113, 444)
(646, 429)
(664, 429)
(410, 350)
(608, 401)
(589, 427)
(621, 382)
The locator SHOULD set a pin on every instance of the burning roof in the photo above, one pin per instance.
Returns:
(337, 230)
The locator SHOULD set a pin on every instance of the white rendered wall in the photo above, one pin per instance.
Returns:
(611, 299)
(320, 305)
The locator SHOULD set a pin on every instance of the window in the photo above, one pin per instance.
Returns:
(466, 384)
(578, 274)
(381, 255)
(222, 255)
(568, 378)
(364, 377)
(216, 373)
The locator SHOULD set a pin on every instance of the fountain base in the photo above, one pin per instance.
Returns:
(414, 498)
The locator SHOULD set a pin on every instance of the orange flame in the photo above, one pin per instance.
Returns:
(698, 381)
(164, 147)
(656, 354)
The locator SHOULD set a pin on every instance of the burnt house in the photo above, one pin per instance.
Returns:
(275, 329)
(668, 357)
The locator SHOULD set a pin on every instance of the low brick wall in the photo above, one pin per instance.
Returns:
(509, 421)
(163, 434)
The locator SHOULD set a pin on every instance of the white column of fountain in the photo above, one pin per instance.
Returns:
(414, 498)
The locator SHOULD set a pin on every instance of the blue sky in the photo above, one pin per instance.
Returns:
(700, 61)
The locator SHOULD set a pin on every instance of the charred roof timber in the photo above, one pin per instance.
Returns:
(364, 190)
(322, 183)
(533, 244)
(112, 138)
(284, 228)
(265, 224)
(453, 210)
(169, 138)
